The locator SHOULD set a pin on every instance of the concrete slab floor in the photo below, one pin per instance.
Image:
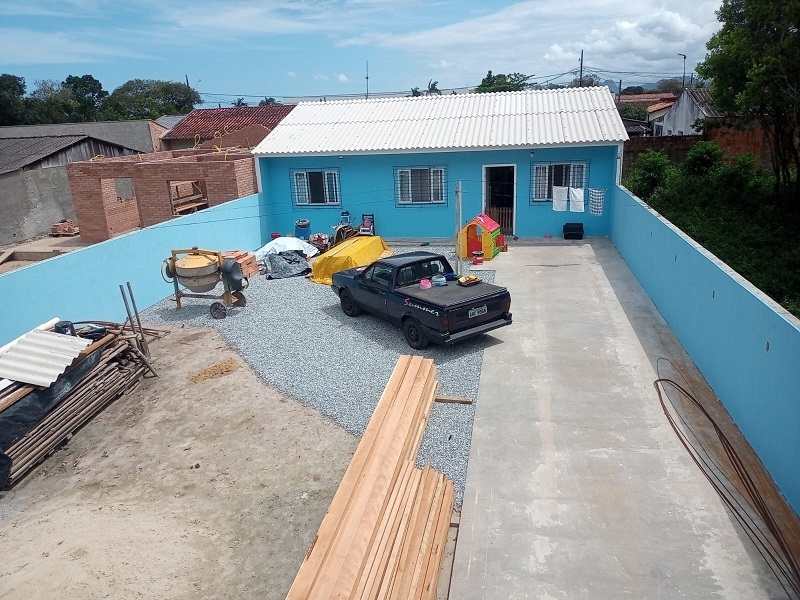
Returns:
(577, 486)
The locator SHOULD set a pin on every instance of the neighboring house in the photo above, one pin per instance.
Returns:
(645, 100)
(204, 124)
(636, 128)
(655, 116)
(141, 135)
(414, 163)
(168, 122)
(692, 105)
(34, 189)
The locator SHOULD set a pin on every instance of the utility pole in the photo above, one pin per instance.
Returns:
(683, 81)
(619, 91)
(367, 78)
(580, 78)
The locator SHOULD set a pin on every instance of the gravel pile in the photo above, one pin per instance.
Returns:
(294, 335)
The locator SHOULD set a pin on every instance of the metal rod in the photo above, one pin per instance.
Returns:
(127, 308)
(145, 348)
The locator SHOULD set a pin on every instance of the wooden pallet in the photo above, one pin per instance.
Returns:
(385, 531)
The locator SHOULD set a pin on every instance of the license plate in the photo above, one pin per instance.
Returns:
(477, 312)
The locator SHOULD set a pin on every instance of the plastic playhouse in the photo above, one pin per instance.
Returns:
(481, 234)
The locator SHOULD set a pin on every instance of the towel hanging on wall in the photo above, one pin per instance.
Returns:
(576, 199)
(596, 201)
(560, 195)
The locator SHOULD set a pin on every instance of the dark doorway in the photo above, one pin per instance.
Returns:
(500, 196)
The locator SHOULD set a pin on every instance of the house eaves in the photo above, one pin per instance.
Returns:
(503, 120)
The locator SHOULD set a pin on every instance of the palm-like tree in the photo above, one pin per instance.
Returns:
(415, 92)
(433, 88)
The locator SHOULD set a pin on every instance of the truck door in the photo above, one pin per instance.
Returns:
(373, 286)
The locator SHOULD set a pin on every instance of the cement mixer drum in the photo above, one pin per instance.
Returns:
(200, 272)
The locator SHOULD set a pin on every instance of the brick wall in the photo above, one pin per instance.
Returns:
(248, 138)
(735, 141)
(225, 176)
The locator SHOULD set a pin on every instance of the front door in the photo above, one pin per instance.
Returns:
(499, 195)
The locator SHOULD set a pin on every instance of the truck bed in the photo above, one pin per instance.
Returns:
(450, 294)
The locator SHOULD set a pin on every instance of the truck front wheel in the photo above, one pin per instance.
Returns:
(349, 306)
(414, 334)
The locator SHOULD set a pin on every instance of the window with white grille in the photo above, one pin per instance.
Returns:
(315, 187)
(420, 185)
(544, 176)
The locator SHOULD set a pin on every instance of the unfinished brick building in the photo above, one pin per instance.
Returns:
(116, 195)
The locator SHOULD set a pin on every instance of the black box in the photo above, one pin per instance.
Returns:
(573, 231)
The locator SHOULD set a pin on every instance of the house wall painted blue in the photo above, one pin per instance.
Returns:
(746, 346)
(84, 284)
(367, 184)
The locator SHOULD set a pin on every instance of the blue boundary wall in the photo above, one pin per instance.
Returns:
(84, 284)
(367, 184)
(746, 346)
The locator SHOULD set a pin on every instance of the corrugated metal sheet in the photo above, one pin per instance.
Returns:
(702, 97)
(207, 121)
(17, 153)
(449, 122)
(39, 357)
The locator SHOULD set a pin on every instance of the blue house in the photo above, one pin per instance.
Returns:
(530, 160)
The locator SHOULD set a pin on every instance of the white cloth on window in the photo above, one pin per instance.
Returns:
(560, 195)
(576, 199)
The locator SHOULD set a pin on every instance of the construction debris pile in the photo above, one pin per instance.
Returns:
(385, 532)
(65, 227)
(53, 381)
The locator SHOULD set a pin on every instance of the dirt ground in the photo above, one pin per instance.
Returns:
(201, 483)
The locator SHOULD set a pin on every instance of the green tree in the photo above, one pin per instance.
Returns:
(433, 88)
(589, 80)
(149, 99)
(674, 86)
(239, 103)
(753, 63)
(513, 82)
(50, 102)
(12, 106)
(632, 111)
(649, 172)
(632, 90)
(415, 92)
(88, 93)
(268, 102)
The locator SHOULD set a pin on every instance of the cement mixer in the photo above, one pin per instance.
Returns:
(200, 271)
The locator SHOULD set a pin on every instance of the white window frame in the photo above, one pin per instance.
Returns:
(302, 192)
(404, 188)
(578, 177)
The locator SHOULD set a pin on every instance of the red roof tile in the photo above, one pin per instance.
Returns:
(651, 98)
(659, 106)
(205, 122)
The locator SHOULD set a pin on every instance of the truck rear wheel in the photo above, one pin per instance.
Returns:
(414, 334)
(349, 306)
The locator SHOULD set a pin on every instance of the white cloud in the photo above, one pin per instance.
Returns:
(291, 74)
(29, 47)
(342, 78)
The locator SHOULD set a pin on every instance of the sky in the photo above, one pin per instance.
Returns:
(287, 49)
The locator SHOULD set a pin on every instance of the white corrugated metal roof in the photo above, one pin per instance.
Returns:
(39, 357)
(449, 122)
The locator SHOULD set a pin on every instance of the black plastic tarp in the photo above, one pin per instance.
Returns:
(286, 264)
(22, 416)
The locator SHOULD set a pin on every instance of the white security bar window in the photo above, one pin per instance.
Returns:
(316, 187)
(546, 175)
(420, 185)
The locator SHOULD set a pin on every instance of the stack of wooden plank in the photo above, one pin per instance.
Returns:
(385, 531)
(118, 368)
(247, 260)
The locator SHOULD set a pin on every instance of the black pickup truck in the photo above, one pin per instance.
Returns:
(390, 289)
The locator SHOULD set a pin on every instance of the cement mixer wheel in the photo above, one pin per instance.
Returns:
(239, 299)
(218, 310)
